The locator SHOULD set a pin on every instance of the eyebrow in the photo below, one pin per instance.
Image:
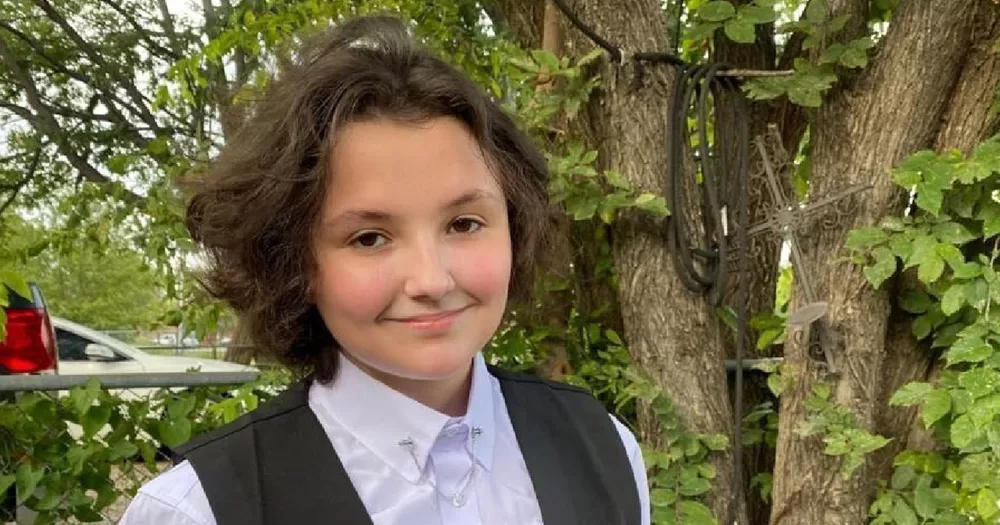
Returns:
(362, 215)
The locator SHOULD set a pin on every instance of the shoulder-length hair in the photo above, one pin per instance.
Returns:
(255, 210)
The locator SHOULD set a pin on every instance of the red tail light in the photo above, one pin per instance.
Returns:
(30, 346)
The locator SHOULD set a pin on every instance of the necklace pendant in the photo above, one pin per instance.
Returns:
(458, 499)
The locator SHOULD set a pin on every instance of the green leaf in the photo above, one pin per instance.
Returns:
(6, 481)
(174, 432)
(662, 498)
(980, 381)
(695, 513)
(694, 486)
(832, 54)
(655, 205)
(740, 30)
(910, 394)
(617, 180)
(546, 59)
(922, 326)
(121, 449)
(95, 418)
(807, 89)
(866, 237)
(954, 299)
(17, 283)
(903, 476)
(936, 405)
(986, 503)
(951, 254)
(817, 11)
(923, 498)
(952, 232)
(915, 301)
(902, 514)
(856, 53)
(717, 11)
(769, 337)
(924, 249)
(884, 267)
(930, 269)
(968, 350)
(524, 64)
(716, 442)
(84, 397)
(853, 58)
(766, 88)
(990, 215)
(758, 14)
(118, 164)
(929, 198)
(976, 292)
(963, 431)
(27, 481)
(699, 32)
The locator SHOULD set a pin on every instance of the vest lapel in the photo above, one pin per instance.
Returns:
(302, 481)
(538, 437)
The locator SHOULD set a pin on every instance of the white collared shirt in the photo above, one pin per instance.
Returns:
(366, 421)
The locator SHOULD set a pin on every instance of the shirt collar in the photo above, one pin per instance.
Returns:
(380, 417)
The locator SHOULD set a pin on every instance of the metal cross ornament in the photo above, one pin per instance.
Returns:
(787, 217)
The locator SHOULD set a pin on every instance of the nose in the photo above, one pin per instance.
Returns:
(429, 273)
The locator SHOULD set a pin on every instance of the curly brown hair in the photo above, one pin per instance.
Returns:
(255, 209)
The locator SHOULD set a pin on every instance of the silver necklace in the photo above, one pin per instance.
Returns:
(458, 498)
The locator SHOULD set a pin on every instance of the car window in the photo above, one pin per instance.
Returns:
(72, 347)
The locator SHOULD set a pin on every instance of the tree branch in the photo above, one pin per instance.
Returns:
(109, 97)
(44, 121)
(142, 32)
(30, 174)
(127, 84)
(168, 26)
(64, 112)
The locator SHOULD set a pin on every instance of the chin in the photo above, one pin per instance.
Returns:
(431, 365)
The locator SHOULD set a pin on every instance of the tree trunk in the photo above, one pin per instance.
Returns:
(966, 122)
(892, 109)
(673, 334)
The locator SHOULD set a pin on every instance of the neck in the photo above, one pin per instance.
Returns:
(449, 396)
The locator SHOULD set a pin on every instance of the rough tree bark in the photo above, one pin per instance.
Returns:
(966, 122)
(929, 85)
(892, 109)
(672, 333)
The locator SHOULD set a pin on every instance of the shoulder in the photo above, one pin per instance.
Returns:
(286, 402)
(577, 394)
(628, 439)
(172, 498)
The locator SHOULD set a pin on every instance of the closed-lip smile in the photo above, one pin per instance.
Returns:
(429, 318)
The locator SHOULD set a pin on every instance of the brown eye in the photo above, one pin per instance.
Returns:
(466, 225)
(368, 240)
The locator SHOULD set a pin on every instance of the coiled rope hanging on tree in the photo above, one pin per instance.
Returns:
(701, 254)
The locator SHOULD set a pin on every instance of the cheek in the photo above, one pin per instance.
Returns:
(352, 290)
(485, 271)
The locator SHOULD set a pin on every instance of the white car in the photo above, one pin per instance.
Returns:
(84, 351)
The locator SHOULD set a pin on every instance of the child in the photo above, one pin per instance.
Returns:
(369, 223)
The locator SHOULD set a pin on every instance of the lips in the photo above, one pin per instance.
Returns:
(437, 320)
(429, 317)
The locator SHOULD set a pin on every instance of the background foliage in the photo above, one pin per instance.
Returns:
(123, 99)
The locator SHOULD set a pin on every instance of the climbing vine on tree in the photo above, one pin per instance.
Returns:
(951, 241)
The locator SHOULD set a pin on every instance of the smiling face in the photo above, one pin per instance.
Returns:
(413, 249)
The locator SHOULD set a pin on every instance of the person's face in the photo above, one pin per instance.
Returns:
(413, 248)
